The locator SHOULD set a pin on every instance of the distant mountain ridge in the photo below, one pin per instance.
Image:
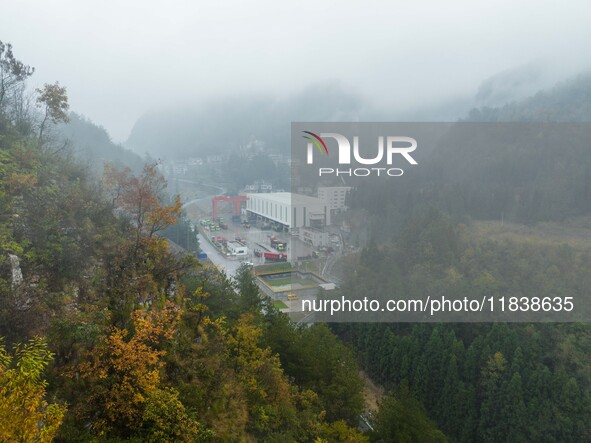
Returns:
(92, 144)
(536, 173)
(218, 126)
(568, 101)
(521, 94)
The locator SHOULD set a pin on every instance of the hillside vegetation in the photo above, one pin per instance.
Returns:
(110, 336)
(506, 222)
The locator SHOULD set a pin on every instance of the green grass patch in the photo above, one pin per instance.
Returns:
(278, 304)
(273, 267)
(278, 281)
(274, 282)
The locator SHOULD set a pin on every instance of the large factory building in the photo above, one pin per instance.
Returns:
(289, 210)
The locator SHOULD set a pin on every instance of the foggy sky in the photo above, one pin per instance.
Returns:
(120, 59)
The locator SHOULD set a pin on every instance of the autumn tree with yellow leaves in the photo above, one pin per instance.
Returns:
(25, 414)
(122, 375)
(53, 100)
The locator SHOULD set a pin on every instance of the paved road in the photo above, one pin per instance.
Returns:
(220, 189)
(230, 266)
(197, 201)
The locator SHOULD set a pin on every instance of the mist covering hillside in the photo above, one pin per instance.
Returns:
(227, 123)
(92, 144)
(456, 229)
(222, 125)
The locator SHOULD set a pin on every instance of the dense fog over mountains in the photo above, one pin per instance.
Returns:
(229, 122)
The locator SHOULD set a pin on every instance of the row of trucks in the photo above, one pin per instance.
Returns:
(221, 241)
(268, 226)
(280, 247)
(271, 256)
(215, 225)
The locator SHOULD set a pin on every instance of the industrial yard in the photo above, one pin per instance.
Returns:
(289, 261)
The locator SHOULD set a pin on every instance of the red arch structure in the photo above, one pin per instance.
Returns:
(236, 201)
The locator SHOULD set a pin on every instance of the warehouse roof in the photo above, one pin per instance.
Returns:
(288, 198)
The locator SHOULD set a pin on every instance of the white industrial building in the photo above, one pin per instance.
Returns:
(289, 210)
(334, 196)
(314, 237)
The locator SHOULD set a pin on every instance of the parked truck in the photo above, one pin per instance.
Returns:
(275, 257)
(279, 245)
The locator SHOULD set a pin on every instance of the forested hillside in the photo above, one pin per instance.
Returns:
(479, 382)
(92, 145)
(110, 336)
(518, 171)
(485, 382)
(566, 102)
(139, 344)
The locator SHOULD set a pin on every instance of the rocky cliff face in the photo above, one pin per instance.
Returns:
(17, 273)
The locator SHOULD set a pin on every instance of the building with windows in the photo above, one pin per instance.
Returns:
(289, 210)
(334, 196)
(259, 186)
(314, 237)
(179, 168)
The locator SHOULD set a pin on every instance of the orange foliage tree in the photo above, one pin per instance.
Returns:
(143, 268)
(123, 371)
(142, 199)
